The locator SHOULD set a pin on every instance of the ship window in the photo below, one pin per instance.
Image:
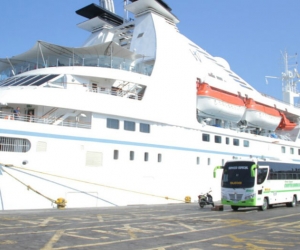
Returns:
(131, 155)
(205, 137)
(298, 151)
(16, 81)
(218, 139)
(198, 160)
(144, 128)
(282, 149)
(116, 154)
(292, 151)
(8, 144)
(236, 142)
(112, 123)
(246, 144)
(140, 35)
(227, 140)
(159, 158)
(146, 156)
(43, 80)
(130, 126)
(223, 162)
(208, 161)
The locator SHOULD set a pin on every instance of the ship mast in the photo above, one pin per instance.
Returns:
(108, 4)
(290, 78)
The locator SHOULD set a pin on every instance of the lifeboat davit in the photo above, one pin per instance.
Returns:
(285, 123)
(261, 116)
(215, 103)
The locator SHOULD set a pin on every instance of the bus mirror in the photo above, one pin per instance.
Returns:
(253, 167)
(215, 169)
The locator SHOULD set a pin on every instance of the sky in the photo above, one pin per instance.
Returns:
(250, 35)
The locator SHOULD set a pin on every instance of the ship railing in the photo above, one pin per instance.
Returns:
(120, 93)
(140, 67)
(296, 105)
(44, 120)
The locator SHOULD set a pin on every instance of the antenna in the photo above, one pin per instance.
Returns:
(289, 78)
(125, 11)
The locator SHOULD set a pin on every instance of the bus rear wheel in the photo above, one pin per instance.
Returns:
(265, 205)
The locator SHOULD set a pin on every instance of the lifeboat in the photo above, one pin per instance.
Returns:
(261, 116)
(285, 123)
(215, 103)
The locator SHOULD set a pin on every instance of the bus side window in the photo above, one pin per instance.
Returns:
(261, 175)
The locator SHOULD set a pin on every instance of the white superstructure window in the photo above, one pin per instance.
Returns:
(227, 140)
(116, 154)
(246, 143)
(292, 151)
(159, 158)
(218, 139)
(282, 149)
(198, 160)
(112, 123)
(205, 137)
(130, 126)
(236, 142)
(144, 128)
(146, 156)
(131, 155)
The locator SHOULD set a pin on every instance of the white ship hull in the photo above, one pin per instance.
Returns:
(114, 123)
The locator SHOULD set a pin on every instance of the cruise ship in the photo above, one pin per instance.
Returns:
(124, 120)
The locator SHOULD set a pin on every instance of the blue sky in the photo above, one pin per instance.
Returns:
(249, 34)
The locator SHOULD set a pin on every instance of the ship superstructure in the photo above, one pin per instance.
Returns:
(138, 115)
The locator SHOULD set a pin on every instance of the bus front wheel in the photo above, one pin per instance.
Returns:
(265, 205)
(293, 203)
(234, 208)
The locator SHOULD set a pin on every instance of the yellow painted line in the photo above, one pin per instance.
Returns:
(53, 240)
(130, 231)
(29, 222)
(81, 237)
(99, 217)
(109, 232)
(46, 221)
(186, 226)
(191, 242)
(7, 242)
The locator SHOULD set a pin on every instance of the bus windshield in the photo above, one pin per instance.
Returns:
(238, 175)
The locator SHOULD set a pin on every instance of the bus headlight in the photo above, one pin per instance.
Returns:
(251, 196)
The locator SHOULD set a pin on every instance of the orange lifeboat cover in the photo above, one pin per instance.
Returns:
(204, 89)
(251, 104)
(285, 123)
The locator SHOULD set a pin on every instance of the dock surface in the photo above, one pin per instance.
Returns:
(153, 227)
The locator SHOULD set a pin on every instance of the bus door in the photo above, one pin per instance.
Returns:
(261, 178)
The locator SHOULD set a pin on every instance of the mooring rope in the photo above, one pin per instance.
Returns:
(28, 187)
(92, 183)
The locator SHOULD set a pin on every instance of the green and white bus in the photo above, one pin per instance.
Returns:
(259, 183)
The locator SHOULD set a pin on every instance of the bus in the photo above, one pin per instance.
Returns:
(259, 183)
